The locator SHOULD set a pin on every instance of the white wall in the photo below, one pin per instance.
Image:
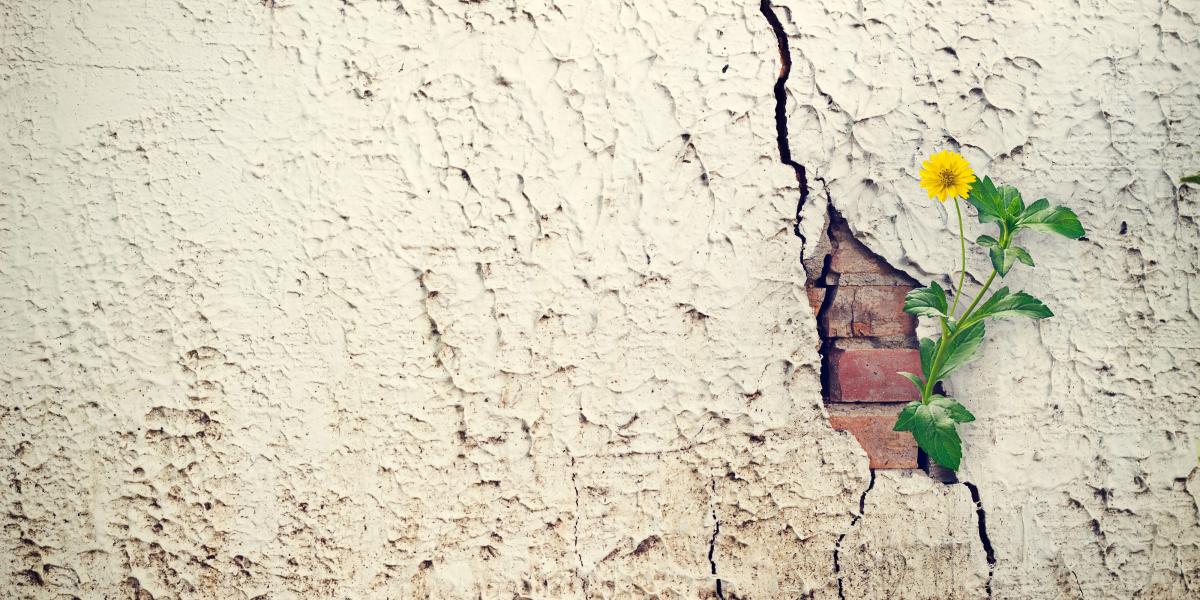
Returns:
(495, 299)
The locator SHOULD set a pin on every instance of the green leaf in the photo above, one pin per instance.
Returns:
(928, 347)
(986, 200)
(956, 411)
(934, 429)
(926, 302)
(1191, 178)
(988, 307)
(904, 419)
(1022, 255)
(987, 241)
(1060, 219)
(1003, 259)
(1003, 305)
(1038, 206)
(917, 381)
(1010, 199)
(961, 348)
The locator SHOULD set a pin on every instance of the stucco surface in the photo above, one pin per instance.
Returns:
(491, 300)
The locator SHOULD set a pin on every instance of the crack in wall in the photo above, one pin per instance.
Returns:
(712, 543)
(988, 551)
(781, 131)
(827, 279)
(575, 546)
(837, 548)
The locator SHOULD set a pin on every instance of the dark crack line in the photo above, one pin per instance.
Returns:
(837, 548)
(983, 534)
(830, 281)
(781, 131)
(712, 543)
(578, 516)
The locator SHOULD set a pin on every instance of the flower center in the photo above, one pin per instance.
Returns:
(946, 178)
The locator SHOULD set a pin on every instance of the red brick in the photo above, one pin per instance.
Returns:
(851, 256)
(879, 311)
(869, 311)
(816, 296)
(887, 449)
(870, 375)
(855, 264)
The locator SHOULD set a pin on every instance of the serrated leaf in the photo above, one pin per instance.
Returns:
(986, 200)
(1022, 255)
(928, 347)
(934, 430)
(1010, 200)
(1060, 219)
(989, 305)
(961, 348)
(957, 411)
(926, 302)
(1038, 205)
(987, 241)
(1002, 260)
(917, 381)
(904, 419)
(1003, 305)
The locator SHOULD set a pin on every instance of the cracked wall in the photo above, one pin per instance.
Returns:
(866, 340)
(445, 299)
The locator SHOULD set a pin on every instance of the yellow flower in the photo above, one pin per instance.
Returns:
(947, 175)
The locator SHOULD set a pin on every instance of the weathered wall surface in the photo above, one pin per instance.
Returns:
(490, 299)
(1084, 453)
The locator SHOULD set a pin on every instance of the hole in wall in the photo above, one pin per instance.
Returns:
(865, 338)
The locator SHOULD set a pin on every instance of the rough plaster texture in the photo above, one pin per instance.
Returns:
(494, 299)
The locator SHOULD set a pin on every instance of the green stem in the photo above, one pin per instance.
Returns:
(962, 274)
(935, 364)
(965, 321)
(943, 342)
(1005, 239)
(946, 338)
(987, 284)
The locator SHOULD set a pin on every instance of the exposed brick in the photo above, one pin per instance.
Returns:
(879, 311)
(887, 449)
(897, 278)
(869, 311)
(865, 335)
(814, 259)
(838, 321)
(855, 264)
(853, 257)
(869, 375)
(816, 296)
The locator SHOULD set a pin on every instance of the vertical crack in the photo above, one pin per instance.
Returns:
(983, 534)
(837, 548)
(575, 547)
(829, 280)
(785, 151)
(712, 543)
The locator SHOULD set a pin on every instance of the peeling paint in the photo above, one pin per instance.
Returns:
(470, 299)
